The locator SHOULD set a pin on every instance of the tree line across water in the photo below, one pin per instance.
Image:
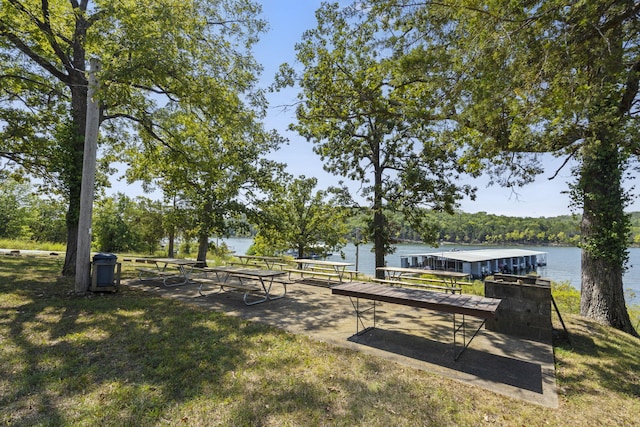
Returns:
(486, 228)
(139, 224)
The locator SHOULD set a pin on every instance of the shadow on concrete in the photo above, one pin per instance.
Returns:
(486, 366)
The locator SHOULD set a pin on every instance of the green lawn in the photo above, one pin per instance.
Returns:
(135, 359)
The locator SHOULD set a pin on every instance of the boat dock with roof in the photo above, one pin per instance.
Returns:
(478, 263)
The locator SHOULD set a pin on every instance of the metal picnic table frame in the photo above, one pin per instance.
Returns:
(465, 305)
(184, 266)
(305, 266)
(269, 261)
(224, 275)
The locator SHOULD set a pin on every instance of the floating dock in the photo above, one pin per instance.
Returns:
(478, 263)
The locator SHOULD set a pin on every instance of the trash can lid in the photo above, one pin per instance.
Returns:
(103, 256)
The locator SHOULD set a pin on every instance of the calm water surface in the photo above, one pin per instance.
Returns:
(563, 263)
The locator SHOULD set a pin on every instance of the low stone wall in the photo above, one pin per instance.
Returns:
(525, 310)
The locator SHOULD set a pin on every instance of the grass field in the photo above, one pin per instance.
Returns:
(135, 359)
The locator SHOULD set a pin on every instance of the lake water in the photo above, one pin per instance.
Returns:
(563, 263)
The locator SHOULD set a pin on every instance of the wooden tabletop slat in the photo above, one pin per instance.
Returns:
(472, 305)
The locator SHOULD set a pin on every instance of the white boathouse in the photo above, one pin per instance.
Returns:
(478, 263)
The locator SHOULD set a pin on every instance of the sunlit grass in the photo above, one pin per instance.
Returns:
(132, 358)
(31, 245)
(566, 297)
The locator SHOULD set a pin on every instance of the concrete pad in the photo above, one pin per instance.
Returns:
(418, 338)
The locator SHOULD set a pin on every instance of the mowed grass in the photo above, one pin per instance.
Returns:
(135, 359)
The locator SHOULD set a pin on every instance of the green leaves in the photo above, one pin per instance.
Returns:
(158, 58)
(301, 219)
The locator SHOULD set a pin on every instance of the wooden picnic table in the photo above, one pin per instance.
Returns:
(465, 305)
(398, 273)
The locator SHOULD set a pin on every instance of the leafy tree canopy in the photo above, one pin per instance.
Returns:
(366, 125)
(153, 54)
(545, 76)
(307, 222)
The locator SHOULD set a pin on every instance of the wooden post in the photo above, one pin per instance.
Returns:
(83, 256)
(357, 243)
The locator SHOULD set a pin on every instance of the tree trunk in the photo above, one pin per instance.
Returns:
(604, 230)
(73, 213)
(203, 248)
(378, 240)
(172, 237)
(69, 266)
(203, 235)
(602, 296)
(73, 170)
(72, 173)
(379, 220)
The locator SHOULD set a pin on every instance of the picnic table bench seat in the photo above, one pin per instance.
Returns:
(285, 280)
(144, 260)
(350, 273)
(149, 273)
(244, 279)
(353, 274)
(255, 264)
(235, 284)
(434, 280)
(313, 273)
(246, 288)
(319, 268)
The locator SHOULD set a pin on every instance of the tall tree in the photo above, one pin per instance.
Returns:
(122, 224)
(353, 109)
(548, 76)
(219, 171)
(152, 51)
(299, 218)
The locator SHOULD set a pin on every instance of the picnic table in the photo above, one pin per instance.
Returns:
(327, 269)
(400, 272)
(466, 305)
(249, 280)
(258, 260)
(184, 268)
(449, 280)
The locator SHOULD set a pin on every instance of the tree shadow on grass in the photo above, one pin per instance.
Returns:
(135, 358)
(608, 357)
(123, 355)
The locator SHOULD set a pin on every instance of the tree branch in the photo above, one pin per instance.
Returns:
(148, 127)
(566, 160)
(51, 89)
(21, 46)
(631, 89)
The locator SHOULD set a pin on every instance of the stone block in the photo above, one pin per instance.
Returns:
(525, 310)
